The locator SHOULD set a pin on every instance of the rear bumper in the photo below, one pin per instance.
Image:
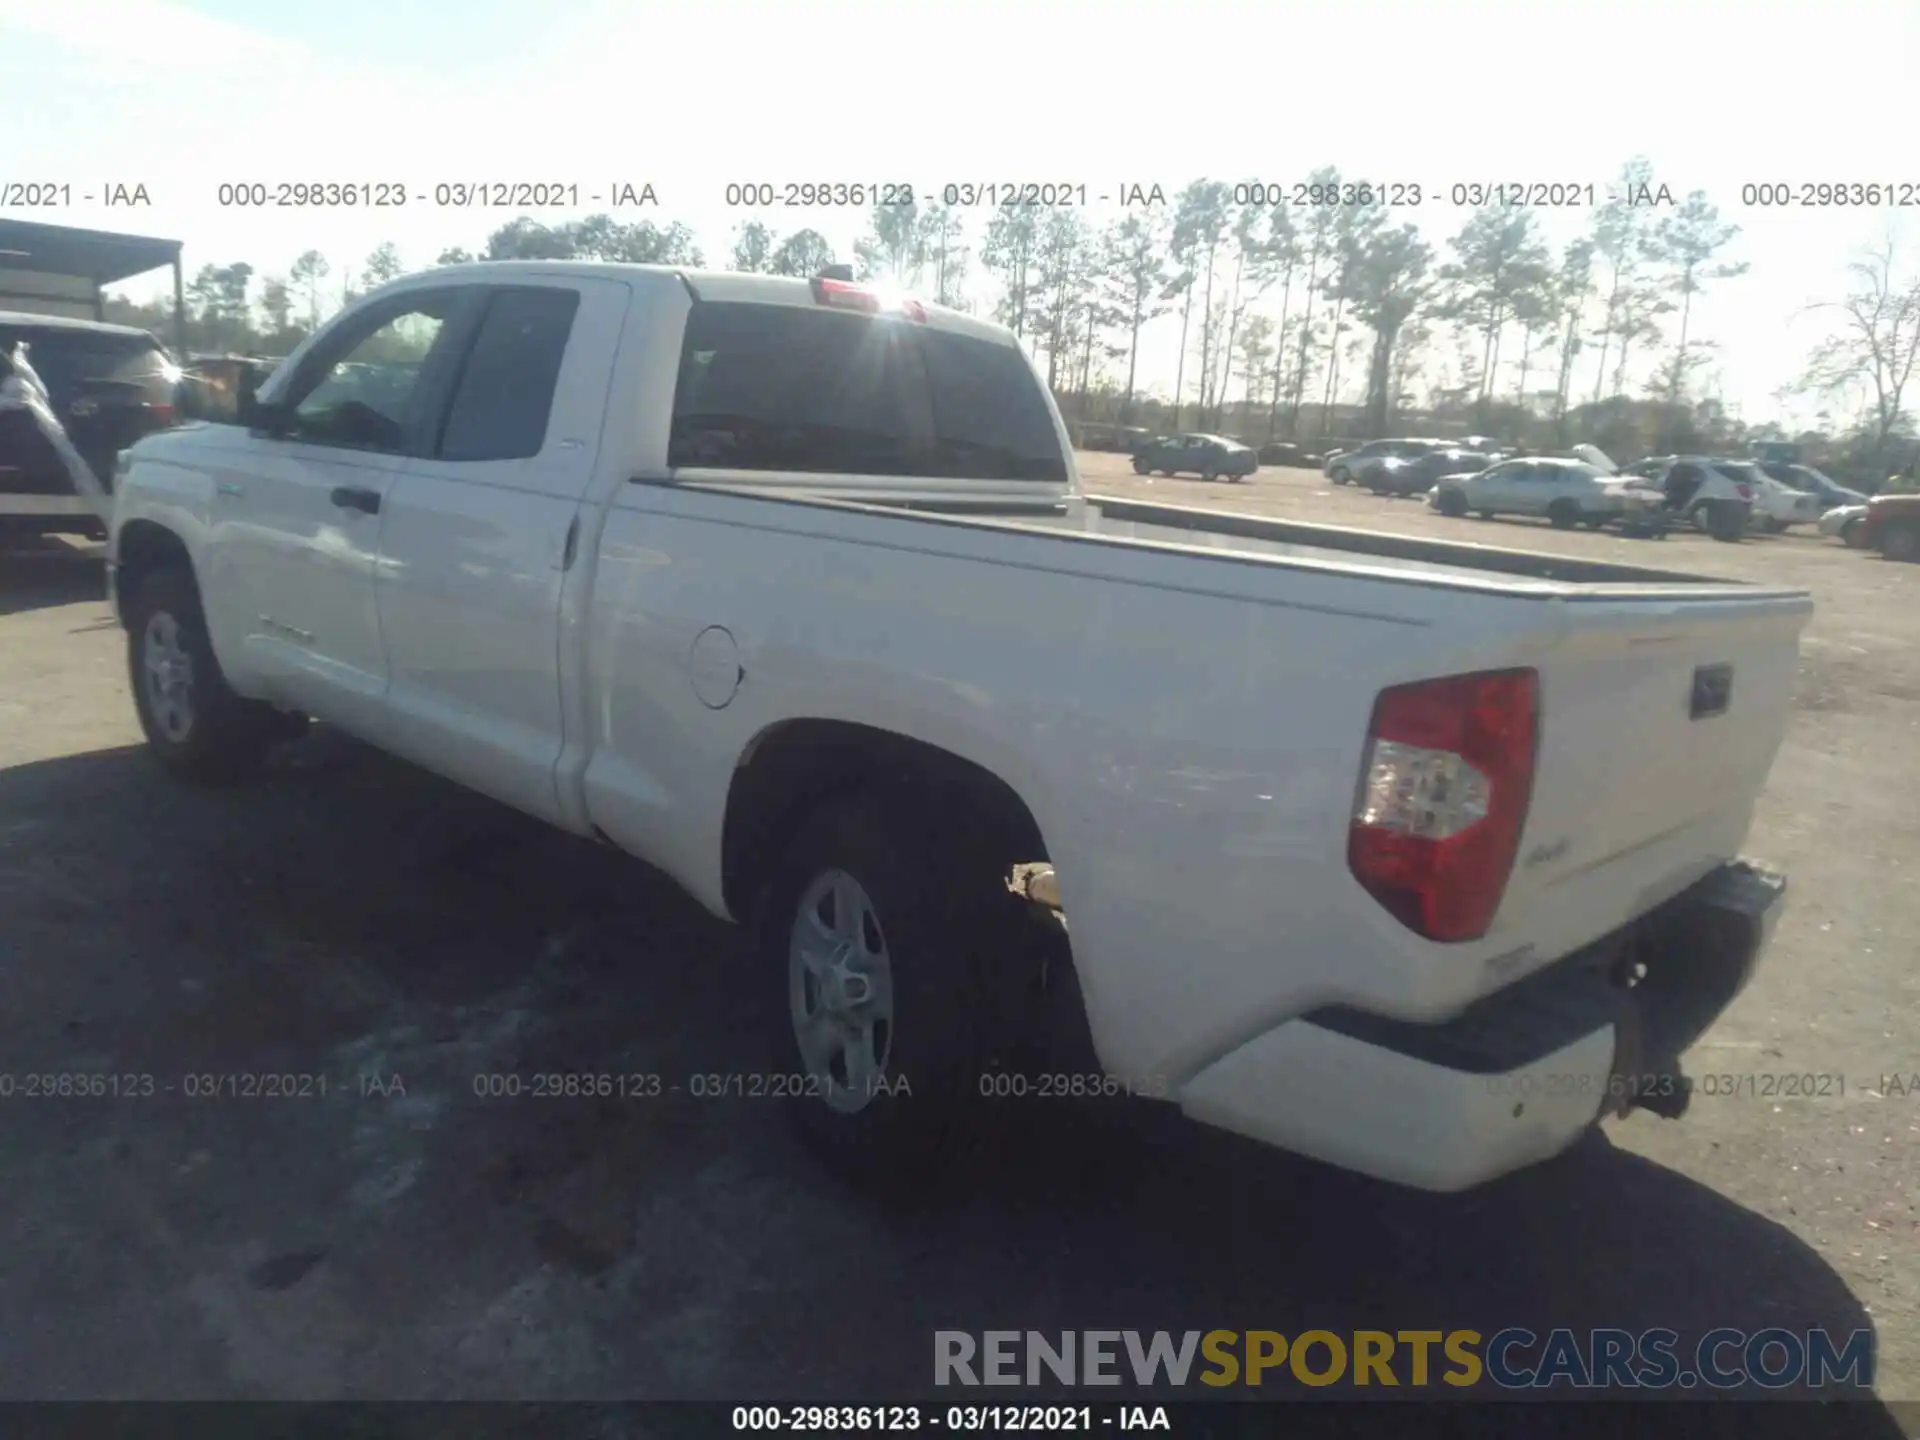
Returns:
(1520, 1075)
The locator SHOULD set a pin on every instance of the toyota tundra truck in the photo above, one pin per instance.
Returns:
(1415, 856)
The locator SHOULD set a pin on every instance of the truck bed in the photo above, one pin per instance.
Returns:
(1150, 650)
(1227, 535)
(1230, 533)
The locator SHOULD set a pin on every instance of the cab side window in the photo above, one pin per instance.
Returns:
(503, 397)
(362, 392)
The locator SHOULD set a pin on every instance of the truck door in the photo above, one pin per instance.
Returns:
(297, 512)
(481, 529)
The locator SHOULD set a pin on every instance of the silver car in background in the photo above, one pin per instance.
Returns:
(1566, 492)
(1350, 465)
(1845, 523)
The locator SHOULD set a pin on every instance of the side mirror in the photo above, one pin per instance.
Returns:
(258, 414)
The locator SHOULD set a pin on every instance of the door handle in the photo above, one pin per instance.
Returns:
(353, 497)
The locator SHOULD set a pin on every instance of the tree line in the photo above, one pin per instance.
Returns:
(1283, 312)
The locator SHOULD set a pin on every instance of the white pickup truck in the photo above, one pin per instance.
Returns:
(1415, 856)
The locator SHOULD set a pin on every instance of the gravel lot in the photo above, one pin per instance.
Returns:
(351, 917)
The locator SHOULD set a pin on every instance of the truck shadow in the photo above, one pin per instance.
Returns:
(352, 917)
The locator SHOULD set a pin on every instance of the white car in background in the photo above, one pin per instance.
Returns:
(1775, 505)
(1565, 491)
(1844, 522)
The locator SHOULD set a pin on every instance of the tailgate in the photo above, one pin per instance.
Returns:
(1659, 721)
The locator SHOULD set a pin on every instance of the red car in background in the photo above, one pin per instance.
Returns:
(1892, 526)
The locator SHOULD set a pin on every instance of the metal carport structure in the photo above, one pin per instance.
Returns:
(59, 270)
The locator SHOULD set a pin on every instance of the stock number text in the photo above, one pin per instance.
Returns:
(817, 193)
(319, 194)
(1901, 194)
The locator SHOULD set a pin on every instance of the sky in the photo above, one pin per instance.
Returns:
(181, 97)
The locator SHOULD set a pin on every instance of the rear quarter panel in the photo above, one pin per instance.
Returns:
(1187, 732)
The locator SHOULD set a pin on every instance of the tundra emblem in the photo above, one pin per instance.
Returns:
(1543, 854)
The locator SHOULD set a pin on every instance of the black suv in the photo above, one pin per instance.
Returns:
(108, 385)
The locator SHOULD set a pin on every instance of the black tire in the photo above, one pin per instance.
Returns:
(1339, 475)
(1563, 514)
(1451, 502)
(944, 917)
(1850, 533)
(1209, 477)
(1141, 468)
(1595, 522)
(222, 738)
(1900, 542)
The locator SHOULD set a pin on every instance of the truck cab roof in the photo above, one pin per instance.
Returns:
(718, 286)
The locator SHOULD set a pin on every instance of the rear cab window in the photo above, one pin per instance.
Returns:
(817, 391)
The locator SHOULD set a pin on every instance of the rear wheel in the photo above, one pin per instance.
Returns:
(1901, 542)
(1339, 475)
(879, 927)
(1564, 514)
(194, 723)
(1451, 502)
(1140, 467)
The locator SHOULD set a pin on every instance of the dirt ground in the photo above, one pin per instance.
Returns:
(349, 917)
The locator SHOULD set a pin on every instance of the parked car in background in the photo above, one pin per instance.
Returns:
(1828, 491)
(1566, 492)
(1399, 476)
(108, 385)
(1285, 452)
(1846, 523)
(1775, 505)
(1211, 457)
(1346, 466)
(1892, 526)
(1701, 492)
(1114, 439)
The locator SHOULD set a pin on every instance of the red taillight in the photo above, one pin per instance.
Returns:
(846, 297)
(1447, 776)
(162, 414)
(1746, 491)
(841, 295)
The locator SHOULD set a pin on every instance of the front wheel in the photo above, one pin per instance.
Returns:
(1339, 475)
(1140, 467)
(1851, 533)
(1563, 514)
(194, 723)
(878, 930)
(1451, 502)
